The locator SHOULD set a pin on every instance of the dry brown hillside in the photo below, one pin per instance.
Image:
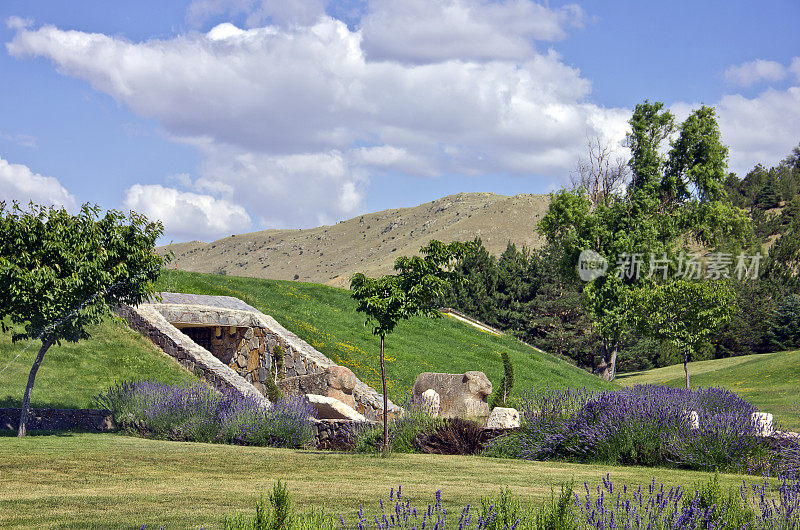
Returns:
(368, 243)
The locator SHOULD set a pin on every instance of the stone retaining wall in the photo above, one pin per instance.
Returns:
(92, 420)
(158, 322)
(338, 435)
(152, 324)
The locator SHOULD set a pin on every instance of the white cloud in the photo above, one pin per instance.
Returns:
(19, 183)
(750, 73)
(24, 140)
(762, 129)
(292, 120)
(424, 31)
(187, 215)
(794, 67)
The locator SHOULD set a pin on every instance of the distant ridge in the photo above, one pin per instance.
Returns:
(368, 243)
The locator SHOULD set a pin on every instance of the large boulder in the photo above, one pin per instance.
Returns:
(328, 408)
(503, 418)
(335, 381)
(460, 395)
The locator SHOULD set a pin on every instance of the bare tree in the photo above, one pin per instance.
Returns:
(601, 173)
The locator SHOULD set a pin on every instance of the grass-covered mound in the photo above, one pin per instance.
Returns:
(326, 318)
(72, 374)
(770, 381)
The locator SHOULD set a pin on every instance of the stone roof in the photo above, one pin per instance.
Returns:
(222, 302)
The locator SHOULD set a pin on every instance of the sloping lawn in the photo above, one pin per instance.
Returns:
(71, 374)
(326, 318)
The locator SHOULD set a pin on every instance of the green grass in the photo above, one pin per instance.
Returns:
(326, 318)
(106, 480)
(771, 381)
(71, 374)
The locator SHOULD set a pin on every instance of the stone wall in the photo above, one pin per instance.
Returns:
(190, 355)
(299, 358)
(92, 420)
(338, 435)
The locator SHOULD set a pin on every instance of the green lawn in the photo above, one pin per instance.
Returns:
(771, 381)
(107, 480)
(325, 317)
(71, 374)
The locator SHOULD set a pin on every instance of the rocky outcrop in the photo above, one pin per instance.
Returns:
(460, 395)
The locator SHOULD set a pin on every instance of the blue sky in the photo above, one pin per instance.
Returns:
(225, 116)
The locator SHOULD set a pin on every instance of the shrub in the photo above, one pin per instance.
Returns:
(506, 384)
(403, 431)
(643, 425)
(199, 413)
(453, 436)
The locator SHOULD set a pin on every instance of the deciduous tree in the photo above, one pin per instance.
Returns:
(683, 313)
(60, 273)
(386, 301)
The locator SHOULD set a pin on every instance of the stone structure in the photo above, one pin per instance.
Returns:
(461, 395)
(328, 408)
(692, 419)
(431, 402)
(338, 434)
(762, 422)
(334, 381)
(240, 342)
(92, 420)
(503, 418)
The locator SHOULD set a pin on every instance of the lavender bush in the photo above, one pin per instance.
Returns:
(643, 425)
(199, 413)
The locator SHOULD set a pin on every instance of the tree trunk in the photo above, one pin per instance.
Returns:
(608, 367)
(26, 400)
(686, 369)
(385, 448)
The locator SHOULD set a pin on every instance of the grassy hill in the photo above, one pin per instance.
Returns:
(71, 374)
(771, 381)
(325, 317)
(368, 243)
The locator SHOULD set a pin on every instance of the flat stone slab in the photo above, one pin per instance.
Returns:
(222, 302)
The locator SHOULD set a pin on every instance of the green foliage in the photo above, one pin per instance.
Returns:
(522, 293)
(279, 515)
(60, 273)
(502, 511)
(420, 282)
(683, 313)
(557, 514)
(273, 392)
(784, 333)
(720, 510)
(403, 432)
(506, 384)
(669, 198)
(277, 359)
(505, 446)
